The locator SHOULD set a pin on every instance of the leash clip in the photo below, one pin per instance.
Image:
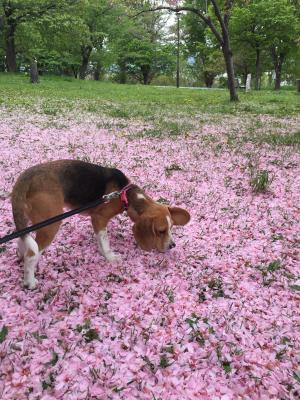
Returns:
(110, 196)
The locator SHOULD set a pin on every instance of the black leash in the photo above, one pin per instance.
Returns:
(104, 199)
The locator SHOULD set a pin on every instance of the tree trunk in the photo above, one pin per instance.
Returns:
(257, 69)
(10, 51)
(209, 78)
(146, 74)
(75, 71)
(278, 62)
(244, 75)
(278, 70)
(97, 72)
(85, 54)
(230, 70)
(270, 78)
(123, 72)
(34, 74)
(278, 77)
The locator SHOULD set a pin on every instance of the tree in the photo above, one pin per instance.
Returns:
(219, 27)
(15, 12)
(54, 40)
(247, 29)
(99, 17)
(265, 26)
(141, 48)
(282, 30)
(201, 47)
(34, 74)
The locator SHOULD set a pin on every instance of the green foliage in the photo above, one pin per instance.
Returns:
(142, 51)
(201, 47)
(264, 33)
(101, 37)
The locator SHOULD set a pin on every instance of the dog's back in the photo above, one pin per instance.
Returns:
(78, 182)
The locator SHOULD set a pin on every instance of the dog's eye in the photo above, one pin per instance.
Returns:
(162, 231)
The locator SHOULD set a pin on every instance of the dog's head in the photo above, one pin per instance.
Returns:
(153, 231)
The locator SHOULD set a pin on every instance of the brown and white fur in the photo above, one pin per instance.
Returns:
(44, 190)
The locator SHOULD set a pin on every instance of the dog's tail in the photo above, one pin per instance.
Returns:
(18, 201)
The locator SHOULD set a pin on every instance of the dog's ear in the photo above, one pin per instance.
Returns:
(144, 233)
(179, 215)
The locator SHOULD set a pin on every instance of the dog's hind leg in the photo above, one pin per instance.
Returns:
(31, 259)
(43, 206)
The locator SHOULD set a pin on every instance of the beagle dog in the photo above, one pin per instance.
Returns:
(43, 191)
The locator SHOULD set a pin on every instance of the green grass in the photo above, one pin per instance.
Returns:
(163, 111)
(55, 94)
(260, 181)
(289, 139)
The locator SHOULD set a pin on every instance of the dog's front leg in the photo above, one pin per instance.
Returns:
(99, 225)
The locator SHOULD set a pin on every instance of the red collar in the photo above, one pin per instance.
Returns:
(123, 196)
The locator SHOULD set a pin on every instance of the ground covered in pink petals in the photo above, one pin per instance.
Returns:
(215, 318)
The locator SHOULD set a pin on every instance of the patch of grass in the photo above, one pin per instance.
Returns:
(275, 139)
(260, 181)
(166, 127)
(86, 325)
(138, 101)
(277, 236)
(54, 359)
(295, 287)
(164, 362)
(274, 266)
(117, 112)
(149, 363)
(162, 200)
(285, 340)
(196, 335)
(90, 335)
(267, 271)
(88, 332)
(280, 354)
(39, 337)
(291, 139)
(225, 363)
(216, 285)
(3, 333)
(49, 109)
(170, 294)
(49, 382)
(296, 376)
(226, 366)
(192, 321)
(201, 295)
(49, 295)
(169, 348)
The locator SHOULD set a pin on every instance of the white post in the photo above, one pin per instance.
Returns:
(248, 83)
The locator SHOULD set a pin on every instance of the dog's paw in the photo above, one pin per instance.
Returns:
(31, 284)
(113, 258)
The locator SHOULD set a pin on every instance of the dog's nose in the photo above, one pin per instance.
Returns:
(172, 245)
